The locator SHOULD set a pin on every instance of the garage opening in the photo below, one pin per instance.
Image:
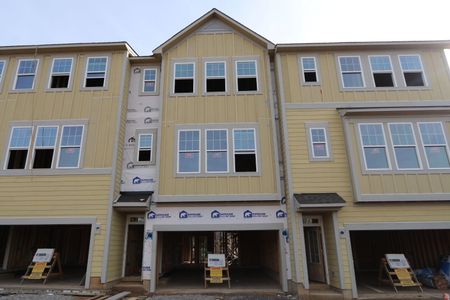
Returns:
(19, 243)
(422, 248)
(253, 258)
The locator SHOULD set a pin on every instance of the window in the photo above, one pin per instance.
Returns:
(149, 84)
(26, 73)
(60, 74)
(2, 68)
(96, 72)
(145, 145)
(405, 146)
(215, 77)
(319, 143)
(374, 146)
(244, 150)
(435, 145)
(412, 70)
(69, 152)
(382, 70)
(247, 79)
(188, 151)
(44, 147)
(309, 68)
(216, 150)
(19, 145)
(184, 78)
(351, 72)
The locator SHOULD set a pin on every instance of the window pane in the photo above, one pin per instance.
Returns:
(352, 80)
(189, 140)
(432, 133)
(245, 162)
(184, 70)
(217, 161)
(414, 79)
(318, 134)
(410, 62)
(188, 162)
(308, 63)
(24, 82)
(149, 86)
(17, 159)
(376, 158)
(2, 66)
(320, 150)
(21, 137)
(372, 134)
(350, 64)
(216, 140)
(244, 139)
(27, 67)
(97, 64)
(71, 136)
(437, 157)
(380, 63)
(69, 157)
(406, 157)
(62, 65)
(402, 134)
(145, 141)
(215, 69)
(46, 137)
(246, 68)
(150, 74)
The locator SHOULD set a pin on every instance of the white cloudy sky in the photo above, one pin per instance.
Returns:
(147, 23)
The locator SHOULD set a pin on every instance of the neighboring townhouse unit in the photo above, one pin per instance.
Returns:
(218, 189)
(62, 120)
(365, 130)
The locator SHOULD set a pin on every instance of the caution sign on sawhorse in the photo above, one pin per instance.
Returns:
(44, 264)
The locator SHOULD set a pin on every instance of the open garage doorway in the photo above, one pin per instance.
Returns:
(20, 242)
(253, 258)
(422, 249)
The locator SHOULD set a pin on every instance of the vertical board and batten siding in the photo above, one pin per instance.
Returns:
(330, 246)
(41, 196)
(329, 90)
(227, 109)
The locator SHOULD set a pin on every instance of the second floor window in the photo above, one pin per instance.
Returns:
(351, 72)
(145, 145)
(405, 146)
(19, 145)
(70, 150)
(2, 68)
(412, 70)
(244, 147)
(184, 78)
(374, 146)
(381, 70)
(96, 72)
(60, 75)
(435, 145)
(149, 84)
(26, 74)
(189, 151)
(246, 73)
(319, 143)
(215, 77)
(216, 150)
(309, 70)
(44, 147)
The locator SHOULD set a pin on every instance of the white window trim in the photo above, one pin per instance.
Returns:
(34, 74)
(45, 147)
(199, 151)
(316, 70)
(312, 143)
(69, 84)
(194, 82)
(2, 74)
(422, 70)
(361, 71)
(416, 147)
(5, 166)
(374, 146)
(431, 145)
(143, 148)
(246, 76)
(60, 147)
(86, 72)
(245, 152)
(372, 72)
(226, 150)
(144, 81)
(215, 77)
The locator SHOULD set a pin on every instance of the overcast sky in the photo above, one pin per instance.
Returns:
(145, 24)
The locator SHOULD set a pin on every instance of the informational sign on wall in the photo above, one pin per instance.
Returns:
(43, 255)
(216, 260)
(397, 261)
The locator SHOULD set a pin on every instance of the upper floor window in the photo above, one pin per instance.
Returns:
(26, 74)
(374, 146)
(412, 70)
(244, 146)
(149, 81)
(405, 146)
(2, 68)
(188, 151)
(60, 74)
(145, 145)
(351, 72)
(19, 145)
(382, 70)
(96, 72)
(44, 147)
(246, 73)
(309, 70)
(70, 149)
(216, 150)
(215, 77)
(319, 143)
(184, 78)
(435, 145)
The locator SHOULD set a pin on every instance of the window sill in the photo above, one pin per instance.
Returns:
(403, 172)
(228, 174)
(248, 93)
(183, 94)
(53, 172)
(22, 91)
(54, 90)
(375, 89)
(90, 89)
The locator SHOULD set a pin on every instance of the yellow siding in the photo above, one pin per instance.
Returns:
(436, 71)
(116, 245)
(330, 244)
(228, 109)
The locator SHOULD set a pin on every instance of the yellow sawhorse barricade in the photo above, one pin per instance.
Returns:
(216, 270)
(43, 266)
(398, 272)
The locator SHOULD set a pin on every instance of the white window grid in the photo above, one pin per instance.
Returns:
(425, 145)
(190, 150)
(53, 72)
(80, 146)
(306, 69)
(224, 76)
(29, 73)
(246, 150)
(18, 147)
(360, 71)
(384, 71)
(413, 70)
(144, 80)
(145, 148)
(384, 145)
(175, 77)
(37, 147)
(247, 75)
(216, 150)
(92, 73)
(325, 142)
(405, 145)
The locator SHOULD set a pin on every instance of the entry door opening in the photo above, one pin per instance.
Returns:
(253, 258)
(314, 254)
(133, 260)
